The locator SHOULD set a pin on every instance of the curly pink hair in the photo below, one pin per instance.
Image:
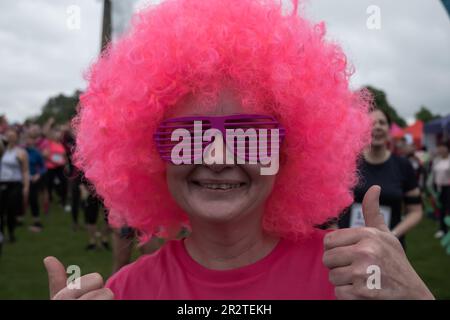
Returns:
(280, 64)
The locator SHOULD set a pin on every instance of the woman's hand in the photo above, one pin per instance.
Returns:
(91, 285)
(354, 257)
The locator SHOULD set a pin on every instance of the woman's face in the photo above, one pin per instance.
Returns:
(219, 192)
(30, 140)
(380, 129)
(11, 137)
(35, 131)
(57, 135)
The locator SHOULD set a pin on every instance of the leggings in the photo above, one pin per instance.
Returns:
(61, 188)
(33, 198)
(91, 208)
(444, 199)
(11, 203)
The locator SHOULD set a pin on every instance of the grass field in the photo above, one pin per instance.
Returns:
(23, 276)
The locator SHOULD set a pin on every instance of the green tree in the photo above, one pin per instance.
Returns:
(61, 107)
(425, 114)
(381, 102)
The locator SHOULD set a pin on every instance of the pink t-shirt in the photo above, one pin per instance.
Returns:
(291, 271)
(56, 155)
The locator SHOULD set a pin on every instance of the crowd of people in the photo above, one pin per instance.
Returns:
(36, 171)
(432, 173)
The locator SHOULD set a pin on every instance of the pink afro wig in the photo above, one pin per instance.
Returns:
(279, 63)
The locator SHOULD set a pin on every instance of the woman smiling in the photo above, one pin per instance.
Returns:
(253, 236)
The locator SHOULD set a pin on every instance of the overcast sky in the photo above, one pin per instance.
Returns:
(42, 54)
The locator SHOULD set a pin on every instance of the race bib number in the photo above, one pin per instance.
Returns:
(57, 158)
(357, 217)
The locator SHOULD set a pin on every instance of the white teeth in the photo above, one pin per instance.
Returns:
(222, 186)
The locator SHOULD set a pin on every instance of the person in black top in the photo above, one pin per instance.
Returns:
(400, 200)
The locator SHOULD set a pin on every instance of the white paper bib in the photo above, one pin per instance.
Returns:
(357, 217)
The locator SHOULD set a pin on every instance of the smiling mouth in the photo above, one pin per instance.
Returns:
(219, 186)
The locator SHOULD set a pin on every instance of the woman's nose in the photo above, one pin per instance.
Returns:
(218, 156)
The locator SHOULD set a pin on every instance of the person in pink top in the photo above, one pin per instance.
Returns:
(236, 120)
(55, 153)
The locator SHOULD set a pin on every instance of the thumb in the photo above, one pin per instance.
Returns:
(57, 277)
(371, 209)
